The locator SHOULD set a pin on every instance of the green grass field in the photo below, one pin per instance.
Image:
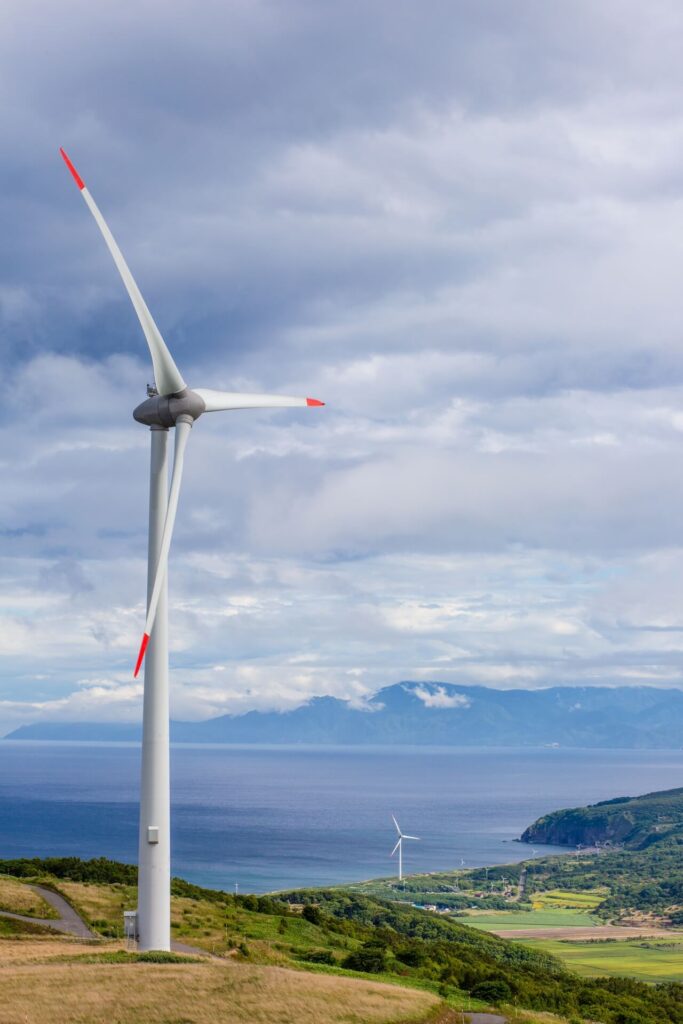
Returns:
(645, 959)
(546, 918)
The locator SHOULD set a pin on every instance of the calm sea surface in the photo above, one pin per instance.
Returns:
(272, 818)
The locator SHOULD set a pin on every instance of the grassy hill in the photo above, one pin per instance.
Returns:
(632, 822)
(58, 980)
(341, 937)
(259, 972)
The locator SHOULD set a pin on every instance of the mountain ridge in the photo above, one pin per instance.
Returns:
(431, 714)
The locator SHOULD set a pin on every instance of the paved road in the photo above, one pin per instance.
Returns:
(485, 1018)
(68, 920)
(182, 947)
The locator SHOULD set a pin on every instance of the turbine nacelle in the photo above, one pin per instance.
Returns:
(164, 410)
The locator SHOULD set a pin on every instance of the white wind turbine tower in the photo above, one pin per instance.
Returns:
(399, 847)
(169, 404)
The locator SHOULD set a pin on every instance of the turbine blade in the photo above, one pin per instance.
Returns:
(166, 374)
(182, 433)
(222, 401)
(396, 824)
(395, 848)
(411, 837)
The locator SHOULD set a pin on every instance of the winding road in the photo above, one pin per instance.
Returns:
(68, 922)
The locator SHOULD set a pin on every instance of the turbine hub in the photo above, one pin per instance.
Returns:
(165, 410)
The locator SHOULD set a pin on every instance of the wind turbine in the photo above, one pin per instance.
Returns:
(169, 404)
(399, 847)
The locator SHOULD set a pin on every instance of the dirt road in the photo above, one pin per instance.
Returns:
(604, 931)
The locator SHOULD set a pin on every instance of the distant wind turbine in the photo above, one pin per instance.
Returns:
(399, 847)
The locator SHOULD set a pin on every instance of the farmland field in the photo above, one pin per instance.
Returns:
(545, 918)
(645, 959)
(562, 898)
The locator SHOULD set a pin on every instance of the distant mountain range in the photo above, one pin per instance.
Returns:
(433, 714)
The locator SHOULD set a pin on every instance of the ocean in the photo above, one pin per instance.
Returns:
(268, 818)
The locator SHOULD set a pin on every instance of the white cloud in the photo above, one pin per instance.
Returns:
(439, 697)
(94, 700)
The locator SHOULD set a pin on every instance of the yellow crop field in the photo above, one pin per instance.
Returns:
(588, 900)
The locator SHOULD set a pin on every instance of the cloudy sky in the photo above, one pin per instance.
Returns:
(458, 223)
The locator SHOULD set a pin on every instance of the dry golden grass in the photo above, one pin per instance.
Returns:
(208, 992)
(18, 898)
(31, 950)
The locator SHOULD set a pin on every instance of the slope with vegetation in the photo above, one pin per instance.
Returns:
(57, 981)
(632, 822)
(562, 904)
(642, 876)
(332, 932)
(46, 977)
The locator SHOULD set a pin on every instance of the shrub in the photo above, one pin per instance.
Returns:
(311, 913)
(369, 958)
(494, 990)
(411, 957)
(318, 956)
(100, 869)
(161, 956)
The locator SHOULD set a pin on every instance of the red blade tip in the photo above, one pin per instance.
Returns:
(76, 176)
(313, 401)
(141, 654)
